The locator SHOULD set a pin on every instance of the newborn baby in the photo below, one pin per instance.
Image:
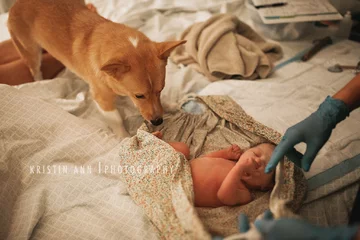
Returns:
(219, 180)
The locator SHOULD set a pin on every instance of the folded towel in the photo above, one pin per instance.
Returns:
(167, 195)
(224, 47)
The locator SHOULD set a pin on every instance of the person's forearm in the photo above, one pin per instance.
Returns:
(357, 236)
(350, 93)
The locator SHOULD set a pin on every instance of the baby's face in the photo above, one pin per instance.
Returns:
(253, 162)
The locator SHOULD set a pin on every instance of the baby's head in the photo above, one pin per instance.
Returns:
(253, 162)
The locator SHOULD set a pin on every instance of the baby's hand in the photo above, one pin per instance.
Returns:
(235, 151)
(232, 153)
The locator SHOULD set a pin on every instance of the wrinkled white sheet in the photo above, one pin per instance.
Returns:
(285, 98)
(51, 183)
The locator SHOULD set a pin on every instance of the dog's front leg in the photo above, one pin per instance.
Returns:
(105, 101)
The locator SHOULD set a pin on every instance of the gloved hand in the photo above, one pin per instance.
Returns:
(290, 228)
(314, 131)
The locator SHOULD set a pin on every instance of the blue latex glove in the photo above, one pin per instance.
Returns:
(314, 131)
(244, 225)
(289, 228)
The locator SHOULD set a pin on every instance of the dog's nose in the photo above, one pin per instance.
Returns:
(157, 121)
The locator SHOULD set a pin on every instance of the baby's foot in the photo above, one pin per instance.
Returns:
(157, 134)
(234, 152)
(91, 7)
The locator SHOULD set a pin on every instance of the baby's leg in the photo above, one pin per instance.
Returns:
(232, 153)
(181, 147)
(178, 146)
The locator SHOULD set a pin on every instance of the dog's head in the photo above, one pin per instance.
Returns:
(140, 74)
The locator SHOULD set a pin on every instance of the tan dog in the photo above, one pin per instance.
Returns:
(113, 58)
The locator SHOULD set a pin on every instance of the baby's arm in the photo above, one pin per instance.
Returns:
(232, 191)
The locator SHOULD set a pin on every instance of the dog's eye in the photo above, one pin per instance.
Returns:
(140, 96)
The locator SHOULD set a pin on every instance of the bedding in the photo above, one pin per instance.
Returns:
(60, 174)
(58, 123)
(221, 123)
(224, 47)
(51, 183)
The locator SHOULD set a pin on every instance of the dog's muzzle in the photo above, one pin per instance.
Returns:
(157, 121)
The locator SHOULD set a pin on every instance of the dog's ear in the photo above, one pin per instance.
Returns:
(165, 48)
(116, 67)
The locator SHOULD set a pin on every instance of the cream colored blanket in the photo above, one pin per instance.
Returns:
(162, 183)
(224, 47)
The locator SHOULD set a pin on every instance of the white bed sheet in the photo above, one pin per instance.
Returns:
(287, 97)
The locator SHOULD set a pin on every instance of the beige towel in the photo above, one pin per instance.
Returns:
(224, 47)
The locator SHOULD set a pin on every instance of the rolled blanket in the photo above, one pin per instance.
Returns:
(166, 192)
(224, 47)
